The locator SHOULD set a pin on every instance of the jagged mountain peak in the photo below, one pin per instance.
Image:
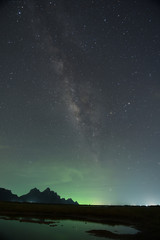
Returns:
(34, 190)
(47, 190)
(34, 195)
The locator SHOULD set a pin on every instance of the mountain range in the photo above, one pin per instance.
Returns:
(35, 196)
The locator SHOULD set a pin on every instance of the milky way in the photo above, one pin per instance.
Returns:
(80, 97)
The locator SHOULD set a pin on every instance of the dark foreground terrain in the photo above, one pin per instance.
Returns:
(145, 219)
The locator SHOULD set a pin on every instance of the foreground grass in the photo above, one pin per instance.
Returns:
(146, 219)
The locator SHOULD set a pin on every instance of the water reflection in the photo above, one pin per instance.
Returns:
(32, 228)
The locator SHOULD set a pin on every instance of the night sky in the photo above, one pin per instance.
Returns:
(80, 99)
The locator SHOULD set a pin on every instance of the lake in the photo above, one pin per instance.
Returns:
(40, 229)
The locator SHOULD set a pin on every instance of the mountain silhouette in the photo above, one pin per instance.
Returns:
(35, 196)
(7, 195)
